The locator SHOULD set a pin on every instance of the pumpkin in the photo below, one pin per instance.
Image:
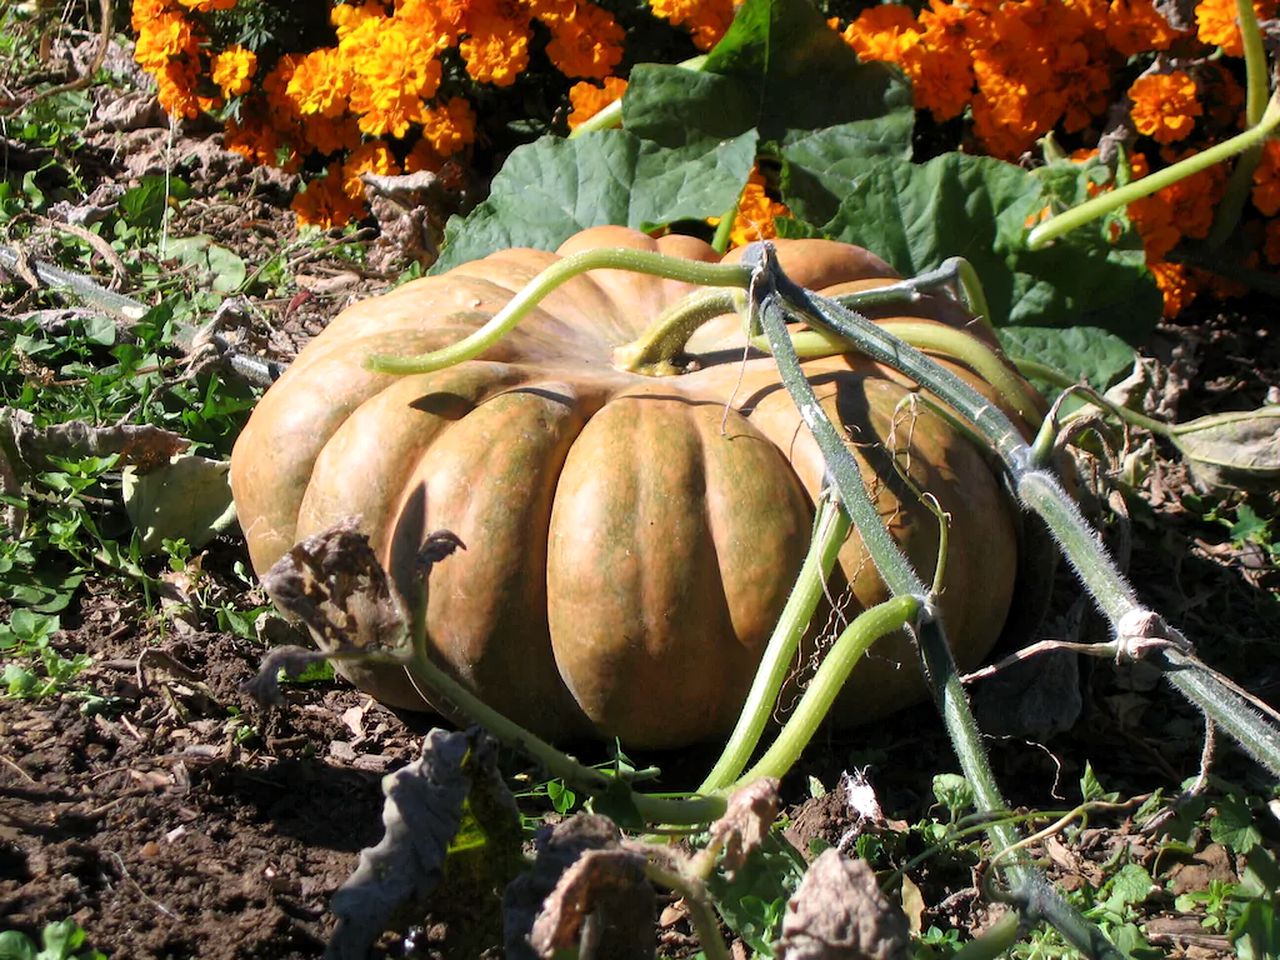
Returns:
(630, 539)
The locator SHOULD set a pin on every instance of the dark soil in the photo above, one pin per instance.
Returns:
(180, 822)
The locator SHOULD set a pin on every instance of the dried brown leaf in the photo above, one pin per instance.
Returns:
(139, 445)
(746, 822)
(454, 788)
(334, 584)
(602, 906)
(1233, 450)
(559, 847)
(839, 913)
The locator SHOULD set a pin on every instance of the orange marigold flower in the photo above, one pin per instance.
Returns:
(321, 83)
(252, 138)
(233, 69)
(1266, 180)
(391, 118)
(587, 99)
(756, 214)
(552, 11)
(586, 44)
(1221, 94)
(330, 135)
(438, 20)
(393, 76)
(496, 53)
(423, 157)
(1177, 286)
(168, 37)
(176, 85)
(449, 128)
(883, 32)
(1194, 200)
(1136, 26)
(941, 78)
(324, 203)
(1151, 215)
(1165, 105)
(347, 17)
(1216, 23)
(276, 87)
(950, 26)
(143, 12)
(1154, 219)
(372, 157)
(707, 20)
(1007, 118)
(496, 49)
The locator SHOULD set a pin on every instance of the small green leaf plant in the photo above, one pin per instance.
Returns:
(59, 940)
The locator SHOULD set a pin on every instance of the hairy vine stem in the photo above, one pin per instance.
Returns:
(771, 296)
(1040, 492)
(1104, 203)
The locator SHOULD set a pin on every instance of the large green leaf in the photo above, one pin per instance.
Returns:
(550, 189)
(671, 105)
(799, 72)
(918, 215)
(1085, 354)
(821, 166)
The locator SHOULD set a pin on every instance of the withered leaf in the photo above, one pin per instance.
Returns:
(454, 786)
(13, 517)
(334, 584)
(839, 913)
(139, 445)
(188, 497)
(602, 906)
(746, 822)
(1232, 450)
(559, 847)
(1179, 13)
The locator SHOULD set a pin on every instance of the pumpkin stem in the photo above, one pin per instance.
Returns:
(653, 352)
(774, 295)
(523, 303)
(868, 627)
(936, 338)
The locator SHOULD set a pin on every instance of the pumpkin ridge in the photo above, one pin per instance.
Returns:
(487, 607)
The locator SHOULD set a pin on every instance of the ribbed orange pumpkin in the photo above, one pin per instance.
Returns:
(630, 539)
